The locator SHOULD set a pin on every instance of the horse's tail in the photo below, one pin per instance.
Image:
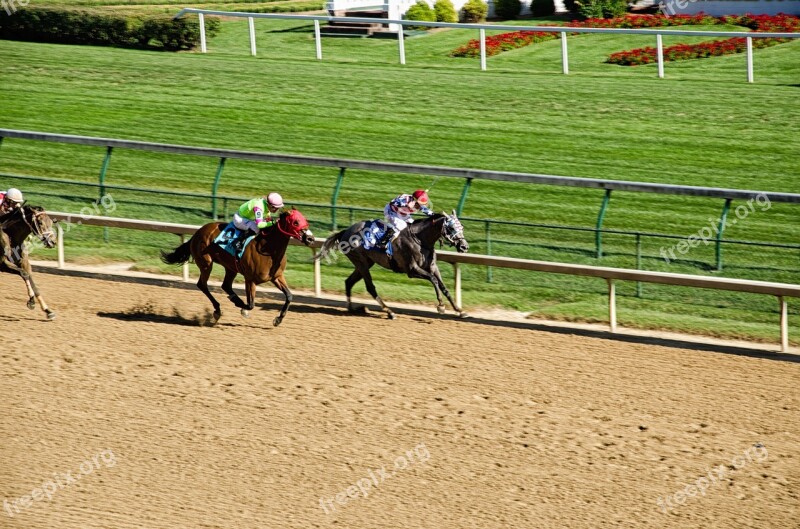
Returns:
(330, 244)
(179, 255)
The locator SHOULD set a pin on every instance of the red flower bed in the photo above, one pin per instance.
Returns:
(503, 42)
(681, 52)
(518, 39)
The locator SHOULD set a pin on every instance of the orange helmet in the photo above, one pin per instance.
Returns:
(421, 196)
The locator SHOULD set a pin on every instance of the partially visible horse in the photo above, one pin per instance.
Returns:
(264, 259)
(413, 254)
(15, 227)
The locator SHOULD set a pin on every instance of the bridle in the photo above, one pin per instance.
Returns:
(35, 224)
(454, 225)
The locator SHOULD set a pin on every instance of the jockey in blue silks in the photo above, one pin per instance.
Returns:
(398, 214)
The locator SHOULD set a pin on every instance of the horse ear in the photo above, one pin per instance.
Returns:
(454, 213)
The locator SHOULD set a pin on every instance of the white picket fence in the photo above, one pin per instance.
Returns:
(482, 28)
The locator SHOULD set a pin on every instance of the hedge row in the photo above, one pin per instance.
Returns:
(79, 26)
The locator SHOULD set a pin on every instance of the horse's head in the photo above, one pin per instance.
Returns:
(41, 225)
(453, 232)
(293, 224)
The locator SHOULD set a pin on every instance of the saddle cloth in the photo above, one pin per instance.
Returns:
(372, 233)
(229, 240)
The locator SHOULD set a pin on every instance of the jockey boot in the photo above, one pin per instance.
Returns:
(388, 236)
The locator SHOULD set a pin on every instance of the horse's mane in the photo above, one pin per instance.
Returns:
(419, 225)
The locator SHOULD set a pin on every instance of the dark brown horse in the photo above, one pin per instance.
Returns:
(15, 227)
(263, 260)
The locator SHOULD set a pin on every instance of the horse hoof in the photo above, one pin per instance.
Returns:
(51, 315)
(440, 309)
(215, 317)
(463, 315)
(31, 304)
(277, 321)
(245, 313)
(392, 316)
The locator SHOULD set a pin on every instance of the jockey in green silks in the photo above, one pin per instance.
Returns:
(256, 214)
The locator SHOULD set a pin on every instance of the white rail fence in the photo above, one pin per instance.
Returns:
(395, 24)
(780, 290)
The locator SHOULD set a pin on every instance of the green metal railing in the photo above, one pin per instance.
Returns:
(215, 198)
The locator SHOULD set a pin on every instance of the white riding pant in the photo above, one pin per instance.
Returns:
(396, 220)
(244, 224)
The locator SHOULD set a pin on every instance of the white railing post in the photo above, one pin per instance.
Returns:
(660, 55)
(60, 245)
(612, 305)
(202, 32)
(482, 34)
(749, 59)
(564, 56)
(185, 267)
(318, 40)
(317, 275)
(457, 286)
(251, 23)
(401, 45)
(784, 325)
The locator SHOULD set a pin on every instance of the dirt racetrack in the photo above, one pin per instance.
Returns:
(124, 413)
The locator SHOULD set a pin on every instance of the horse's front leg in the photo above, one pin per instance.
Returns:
(438, 277)
(280, 283)
(250, 290)
(33, 290)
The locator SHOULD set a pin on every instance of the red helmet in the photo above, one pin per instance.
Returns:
(421, 196)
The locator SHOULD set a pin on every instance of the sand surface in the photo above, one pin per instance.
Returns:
(136, 416)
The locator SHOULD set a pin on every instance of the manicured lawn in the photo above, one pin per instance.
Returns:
(703, 125)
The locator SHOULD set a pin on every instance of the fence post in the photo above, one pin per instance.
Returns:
(488, 250)
(749, 59)
(723, 220)
(318, 40)
(660, 55)
(401, 45)
(638, 262)
(335, 196)
(251, 24)
(457, 286)
(317, 274)
(598, 234)
(202, 20)
(482, 37)
(214, 188)
(103, 170)
(612, 305)
(185, 267)
(463, 198)
(784, 325)
(564, 56)
(60, 243)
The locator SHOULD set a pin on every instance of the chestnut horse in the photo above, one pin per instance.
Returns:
(264, 259)
(15, 227)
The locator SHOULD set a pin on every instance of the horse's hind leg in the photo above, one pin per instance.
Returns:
(227, 286)
(374, 294)
(202, 284)
(354, 278)
(280, 282)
